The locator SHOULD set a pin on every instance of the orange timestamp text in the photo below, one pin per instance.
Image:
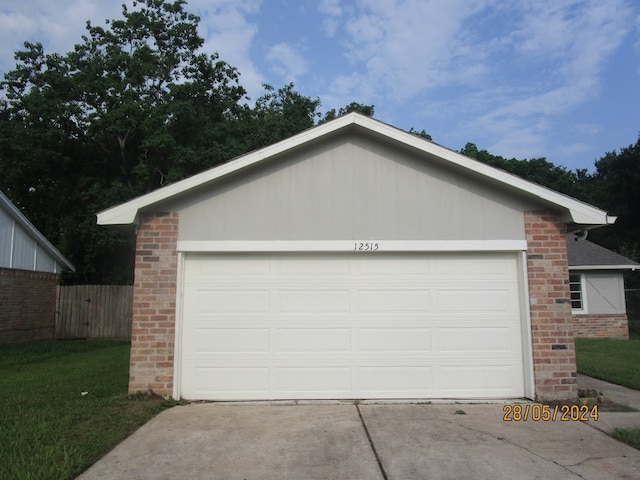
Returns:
(545, 413)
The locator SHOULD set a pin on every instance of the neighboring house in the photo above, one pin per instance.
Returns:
(353, 260)
(597, 289)
(30, 268)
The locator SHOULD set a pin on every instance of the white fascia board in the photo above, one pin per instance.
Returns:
(356, 246)
(603, 267)
(34, 233)
(580, 212)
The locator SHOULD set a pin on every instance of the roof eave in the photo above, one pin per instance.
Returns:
(604, 267)
(583, 215)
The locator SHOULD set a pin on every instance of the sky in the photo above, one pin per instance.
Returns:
(558, 79)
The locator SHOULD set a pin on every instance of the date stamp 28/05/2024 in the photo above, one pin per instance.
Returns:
(545, 413)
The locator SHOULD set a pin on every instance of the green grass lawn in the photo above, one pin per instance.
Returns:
(616, 361)
(48, 428)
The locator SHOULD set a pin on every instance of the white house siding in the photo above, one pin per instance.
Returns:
(604, 292)
(348, 189)
(19, 250)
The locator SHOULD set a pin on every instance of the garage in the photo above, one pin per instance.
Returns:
(353, 260)
(351, 325)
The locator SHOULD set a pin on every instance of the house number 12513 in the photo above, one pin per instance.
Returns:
(366, 246)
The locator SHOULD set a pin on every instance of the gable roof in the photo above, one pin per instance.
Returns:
(586, 255)
(12, 211)
(578, 214)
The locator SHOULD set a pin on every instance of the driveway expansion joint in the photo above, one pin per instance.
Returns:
(373, 447)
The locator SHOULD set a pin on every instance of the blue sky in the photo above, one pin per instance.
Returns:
(521, 78)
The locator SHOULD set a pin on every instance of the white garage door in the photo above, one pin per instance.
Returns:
(383, 325)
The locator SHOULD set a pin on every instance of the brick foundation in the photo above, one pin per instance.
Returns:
(27, 305)
(601, 325)
(154, 305)
(554, 362)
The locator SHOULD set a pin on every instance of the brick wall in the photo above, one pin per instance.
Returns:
(601, 325)
(154, 305)
(554, 362)
(27, 305)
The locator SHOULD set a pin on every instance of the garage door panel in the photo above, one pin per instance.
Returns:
(313, 340)
(314, 379)
(477, 339)
(402, 267)
(229, 301)
(230, 265)
(478, 378)
(312, 301)
(394, 339)
(215, 340)
(393, 301)
(477, 301)
(253, 380)
(350, 326)
(412, 380)
(335, 267)
(478, 267)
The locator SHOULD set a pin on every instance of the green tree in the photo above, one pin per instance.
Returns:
(367, 110)
(615, 186)
(279, 114)
(537, 170)
(422, 133)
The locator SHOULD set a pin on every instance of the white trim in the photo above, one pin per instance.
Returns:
(603, 267)
(177, 349)
(583, 294)
(525, 318)
(371, 246)
(578, 212)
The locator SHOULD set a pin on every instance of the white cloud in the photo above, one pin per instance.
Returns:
(332, 9)
(407, 47)
(287, 61)
(226, 28)
(57, 25)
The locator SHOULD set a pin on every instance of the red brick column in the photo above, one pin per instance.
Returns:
(154, 305)
(554, 362)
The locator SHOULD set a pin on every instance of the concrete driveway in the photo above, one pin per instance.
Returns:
(366, 441)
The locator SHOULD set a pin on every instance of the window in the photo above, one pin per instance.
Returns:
(575, 285)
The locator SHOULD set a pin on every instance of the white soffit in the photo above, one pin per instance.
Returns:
(579, 212)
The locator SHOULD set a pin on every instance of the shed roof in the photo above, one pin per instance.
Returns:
(578, 215)
(34, 233)
(586, 255)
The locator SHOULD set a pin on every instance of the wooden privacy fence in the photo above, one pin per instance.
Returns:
(94, 311)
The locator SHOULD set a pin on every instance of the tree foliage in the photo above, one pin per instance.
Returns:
(367, 110)
(537, 170)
